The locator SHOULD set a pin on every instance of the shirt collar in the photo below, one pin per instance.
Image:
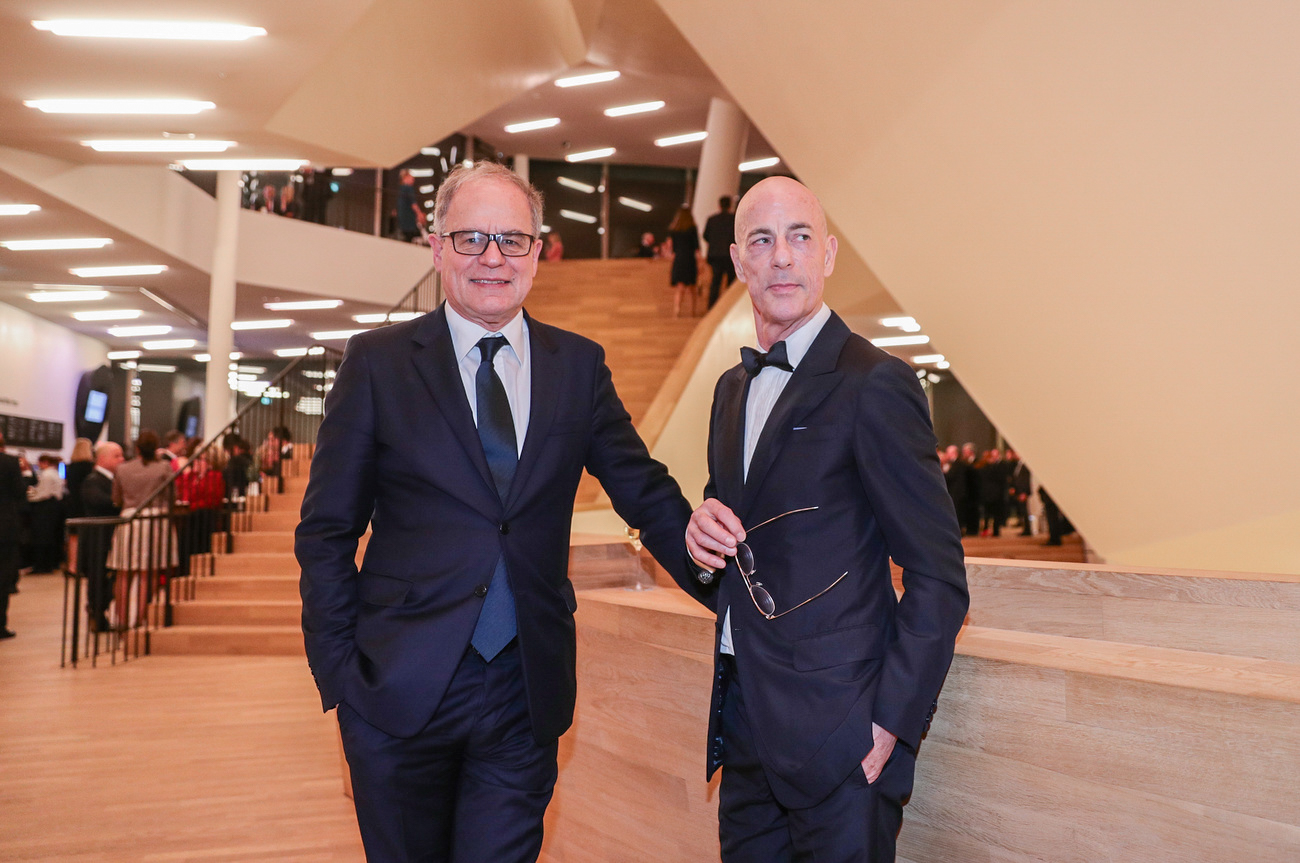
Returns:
(798, 342)
(105, 471)
(465, 334)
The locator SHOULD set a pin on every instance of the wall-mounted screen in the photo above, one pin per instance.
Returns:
(96, 406)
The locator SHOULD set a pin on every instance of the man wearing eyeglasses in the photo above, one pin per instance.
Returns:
(821, 445)
(459, 439)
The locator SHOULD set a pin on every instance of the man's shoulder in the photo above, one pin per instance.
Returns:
(562, 340)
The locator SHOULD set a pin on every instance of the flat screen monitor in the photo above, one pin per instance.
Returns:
(96, 405)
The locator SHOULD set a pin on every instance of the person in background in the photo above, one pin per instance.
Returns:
(80, 465)
(554, 247)
(46, 499)
(147, 546)
(649, 247)
(1019, 484)
(173, 449)
(993, 493)
(14, 480)
(239, 465)
(94, 541)
(409, 214)
(686, 259)
(204, 490)
(970, 516)
(719, 234)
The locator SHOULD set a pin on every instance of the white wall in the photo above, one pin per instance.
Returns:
(40, 366)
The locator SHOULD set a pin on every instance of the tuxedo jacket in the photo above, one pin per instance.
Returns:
(851, 435)
(13, 497)
(398, 451)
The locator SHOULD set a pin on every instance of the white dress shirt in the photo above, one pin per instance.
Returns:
(48, 486)
(512, 363)
(764, 391)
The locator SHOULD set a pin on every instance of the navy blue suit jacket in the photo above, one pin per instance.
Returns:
(398, 451)
(850, 434)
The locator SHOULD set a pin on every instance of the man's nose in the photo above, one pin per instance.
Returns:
(781, 253)
(492, 255)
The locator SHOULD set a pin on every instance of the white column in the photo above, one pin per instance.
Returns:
(221, 306)
(521, 166)
(720, 158)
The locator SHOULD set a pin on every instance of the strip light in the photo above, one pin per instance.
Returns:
(899, 341)
(242, 164)
(123, 355)
(578, 217)
(134, 332)
(906, 324)
(67, 296)
(532, 125)
(635, 204)
(640, 108)
(925, 359)
(274, 324)
(302, 305)
(109, 315)
(163, 145)
(18, 209)
(120, 29)
(589, 154)
(592, 78)
(576, 184)
(119, 106)
(394, 318)
(291, 352)
(340, 172)
(331, 335)
(51, 245)
(688, 138)
(420, 172)
(170, 345)
(759, 163)
(134, 270)
(155, 367)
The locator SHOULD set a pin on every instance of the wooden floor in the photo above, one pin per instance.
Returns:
(165, 759)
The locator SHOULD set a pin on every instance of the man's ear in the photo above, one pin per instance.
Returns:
(832, 246)
(735, 263)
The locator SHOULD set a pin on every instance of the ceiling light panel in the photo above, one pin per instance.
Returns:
(578, 217)
(639, 108)
(759, 163)
(18, 209)
(925, 359)
(578, 185)
(275, 324)
(302, 305)
(242, 164)
(532, 125)
(159, 145)
(592, 78)
(119, 106)
(635, 204)
(674, 140)
(51, 245)
(108, 315)
(133, 270)
(169, 345)
(67, 296)
(123, 355)
(136, 332)
(590, 154)
(898, 341)
(332, 335)
(109, 28)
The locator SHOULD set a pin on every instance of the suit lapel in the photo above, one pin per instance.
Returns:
(435, 360)
(729, 436)
(546, 373)
(812, 381)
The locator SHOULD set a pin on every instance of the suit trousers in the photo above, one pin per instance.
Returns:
(857, 823)
(9, 558)
(470, 787)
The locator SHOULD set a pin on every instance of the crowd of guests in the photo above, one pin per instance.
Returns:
(100, 482)
(992, 488)
(301, 195)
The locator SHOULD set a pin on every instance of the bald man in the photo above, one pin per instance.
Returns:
(94, 540)
(822, 467)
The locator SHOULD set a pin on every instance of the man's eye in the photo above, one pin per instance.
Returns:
(474, 237)
(513, 242)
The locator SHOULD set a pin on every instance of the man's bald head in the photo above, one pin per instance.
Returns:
(108, 455)
(783, 189)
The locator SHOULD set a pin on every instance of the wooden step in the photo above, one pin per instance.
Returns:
(238, 612)
(1217, 612)
(258, 563)
(287, 502)
(247, 587)
(227, 641)
(279, 520)
(276, 542)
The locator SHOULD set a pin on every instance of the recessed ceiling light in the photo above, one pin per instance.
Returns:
(578, 217)
(639, 108)
(898, 341)
(331, 335)
(635, 204)
(134, 270)
(134, 332)
(906, 324)
(759, 163)
(273, 324)
(546, 229)
(242, 164)
(67, 296)
(688, 138)
(589, 154)
(592, 78)
(207, 358)
(924, 359)
(123, 355)
(576, 184)
(379, 318)
(420, 172)
(119, 106)
(18, 209)
(291, 352)
(302, 305)
(49, 245)
(119, 29)
(530, 125)
(159, 145)
(341, 172)
(425, 190)
(109, 315)
(430, 151)
(155, 367)
(169, 345)
(942, 365)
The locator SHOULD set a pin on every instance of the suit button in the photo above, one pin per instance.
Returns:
(480, 591)
(505, 528)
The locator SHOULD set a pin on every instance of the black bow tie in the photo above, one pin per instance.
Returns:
(754, 361)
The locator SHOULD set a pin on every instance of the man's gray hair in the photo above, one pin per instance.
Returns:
(479, 170)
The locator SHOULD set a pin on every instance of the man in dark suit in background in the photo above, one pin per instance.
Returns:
(94, 540)
(822, 447)
(459, 438)
(719, 231)
(14, 480)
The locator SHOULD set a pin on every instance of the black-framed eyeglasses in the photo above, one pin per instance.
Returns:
(513, 244)
(745, 563)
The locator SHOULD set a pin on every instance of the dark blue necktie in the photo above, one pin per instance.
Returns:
(755, 361)
(496, 429)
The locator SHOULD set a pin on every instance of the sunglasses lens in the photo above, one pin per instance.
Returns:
(744, 558)
(762, 598)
